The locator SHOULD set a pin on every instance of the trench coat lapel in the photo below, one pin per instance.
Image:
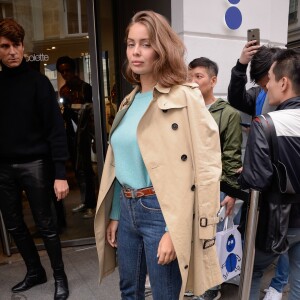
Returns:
(123, 109)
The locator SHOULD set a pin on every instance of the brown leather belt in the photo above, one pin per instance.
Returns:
(131, 193)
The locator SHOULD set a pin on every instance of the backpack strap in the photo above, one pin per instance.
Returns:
(270, 133)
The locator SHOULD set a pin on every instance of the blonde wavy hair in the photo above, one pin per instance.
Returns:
(169, 68)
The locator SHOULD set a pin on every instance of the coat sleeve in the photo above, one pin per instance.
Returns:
(207, 165)
(53, 124)
(257, 170)
(240, 98)
(231, 149)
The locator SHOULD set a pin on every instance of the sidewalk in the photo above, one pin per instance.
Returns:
(82, 269)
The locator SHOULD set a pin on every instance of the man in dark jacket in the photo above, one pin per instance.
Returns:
(33, 151)
(258, 173)
(254, 102)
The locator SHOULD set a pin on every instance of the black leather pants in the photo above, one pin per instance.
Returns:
(35, 178)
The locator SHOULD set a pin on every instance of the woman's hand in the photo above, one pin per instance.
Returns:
(111, 233)
(166, 251)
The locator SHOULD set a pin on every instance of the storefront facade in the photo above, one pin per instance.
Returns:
(92, 33)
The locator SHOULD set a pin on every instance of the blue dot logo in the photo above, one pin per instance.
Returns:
(233, 1)
(231, 262)
(233, 17)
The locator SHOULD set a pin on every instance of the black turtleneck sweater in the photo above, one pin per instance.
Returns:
(31, 124)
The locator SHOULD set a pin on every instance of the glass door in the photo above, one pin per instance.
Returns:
(57, 43)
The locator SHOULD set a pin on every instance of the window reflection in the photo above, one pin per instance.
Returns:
(76, 16)
(6, 10)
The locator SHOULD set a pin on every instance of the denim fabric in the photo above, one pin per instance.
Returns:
(263, 260)
(141, 227)
(281, 277)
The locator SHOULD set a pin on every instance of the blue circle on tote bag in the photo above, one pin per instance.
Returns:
(231, 262)
(230, 243)
(233, 1)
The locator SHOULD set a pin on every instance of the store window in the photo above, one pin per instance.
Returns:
(75, 17)
(293, 11)
(6, 9)
(56, 29)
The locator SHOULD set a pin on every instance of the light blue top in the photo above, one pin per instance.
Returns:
(129, 165)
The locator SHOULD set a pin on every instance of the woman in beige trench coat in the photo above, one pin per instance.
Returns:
(178, 143)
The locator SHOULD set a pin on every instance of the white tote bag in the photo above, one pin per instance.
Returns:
(229, 249)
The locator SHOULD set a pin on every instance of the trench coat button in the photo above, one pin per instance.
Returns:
(164, 110)
(186, 266)
(193, 187)
(183, 157)
(174, 126)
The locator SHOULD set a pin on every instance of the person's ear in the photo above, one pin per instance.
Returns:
(285, 82)
(213, 81)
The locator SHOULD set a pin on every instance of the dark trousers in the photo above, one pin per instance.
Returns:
(80, 156)
(35, 178)
(86, 181)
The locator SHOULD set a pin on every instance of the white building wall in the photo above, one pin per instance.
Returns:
(202, 26)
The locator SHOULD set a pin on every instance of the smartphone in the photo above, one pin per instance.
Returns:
(247, 125)
(253, 34)
(221, 213)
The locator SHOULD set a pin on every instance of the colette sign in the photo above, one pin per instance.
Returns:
(37, 57)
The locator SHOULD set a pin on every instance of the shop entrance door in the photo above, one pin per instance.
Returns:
(58, 31)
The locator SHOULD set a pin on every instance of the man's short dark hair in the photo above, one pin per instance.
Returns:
(261, 62)
(66, 60)
(12, 30)
(205, 62)
(287, 63)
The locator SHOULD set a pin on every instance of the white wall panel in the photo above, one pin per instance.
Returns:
(201, 25)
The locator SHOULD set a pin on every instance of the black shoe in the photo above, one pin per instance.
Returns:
(61, 288)
(81, 207)
(209, 295)
(30, 281)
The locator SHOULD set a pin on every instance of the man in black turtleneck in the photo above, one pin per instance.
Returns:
(33, 151)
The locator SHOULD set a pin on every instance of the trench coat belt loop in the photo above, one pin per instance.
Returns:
(131, 193)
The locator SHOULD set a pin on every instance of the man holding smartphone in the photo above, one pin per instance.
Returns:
(251, 101)
(254, 102)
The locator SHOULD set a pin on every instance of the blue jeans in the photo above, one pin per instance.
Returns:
(263, 260)
(140, 229)
(281, 277)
